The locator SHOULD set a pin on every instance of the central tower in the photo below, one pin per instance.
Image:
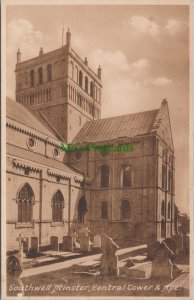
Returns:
(61, 87)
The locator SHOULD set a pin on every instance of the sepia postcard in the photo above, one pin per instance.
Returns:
(96, 119)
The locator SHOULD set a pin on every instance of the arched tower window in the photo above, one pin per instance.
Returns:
(40, 75)
(71, 69)
(169, 210)
(32, 78)
(99, 96)
(104, 210)
(125, 209)
(96, 96)
(126, 176)
(76, 74)
(163, 177)
(57, 207)
(25, 201)
(91, 89)
(104, 172)
(80, 78)
(82, 209)
(49, 73)
(163, 208)
(86, 83)
(169, 181)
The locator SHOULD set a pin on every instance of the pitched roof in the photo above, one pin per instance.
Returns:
(129, 125)
(38, 158)
(17, 112)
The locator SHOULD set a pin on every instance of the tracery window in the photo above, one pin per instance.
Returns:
(25, 201)
(57, 207)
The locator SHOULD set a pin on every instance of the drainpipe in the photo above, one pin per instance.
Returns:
(69, 212)
(157, 160)
(40, 209)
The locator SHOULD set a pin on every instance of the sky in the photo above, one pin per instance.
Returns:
(143, 51)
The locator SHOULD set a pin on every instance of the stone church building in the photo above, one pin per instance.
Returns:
(52, 193)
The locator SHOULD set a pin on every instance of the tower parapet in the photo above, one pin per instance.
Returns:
(62, 86)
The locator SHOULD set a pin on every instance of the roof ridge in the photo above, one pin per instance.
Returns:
(114, 127)
(13, 108)
(125, 115)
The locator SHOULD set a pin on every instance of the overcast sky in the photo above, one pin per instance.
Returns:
(143, 51)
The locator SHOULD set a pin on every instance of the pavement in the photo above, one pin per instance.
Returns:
(68, 263)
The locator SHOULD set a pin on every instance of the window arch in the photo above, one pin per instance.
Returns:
(104, 176)
(76, 74)
(104, 210)
(169, 210)
(25, 200)
(57, 207)
(49, 73)
(80, 78)
(91, 89)
(125, 209)
(40, 75)
(163, 208)
(95, 96)
(82, 209)
(32, 78)
(99, 96)
(163, 177)
(86, 83)
(71, 69)
(169, 181)
(126, 176)
(56, 70)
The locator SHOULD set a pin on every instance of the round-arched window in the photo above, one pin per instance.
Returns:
(31, 143)
(56, 152)
(104, 153)
(78, 155)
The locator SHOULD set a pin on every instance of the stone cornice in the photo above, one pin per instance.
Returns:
(119, 141)
(45, 58)
(25, 131)
(25, 165)
(78, 180)
(55, 173)
(42, 87)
